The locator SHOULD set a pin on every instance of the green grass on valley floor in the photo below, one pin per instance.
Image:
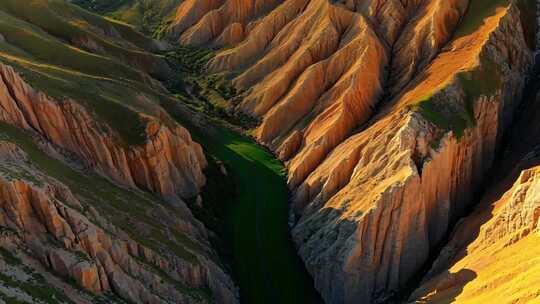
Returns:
(264, 258)
(253, 217)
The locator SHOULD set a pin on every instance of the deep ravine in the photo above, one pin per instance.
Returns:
(255, 222)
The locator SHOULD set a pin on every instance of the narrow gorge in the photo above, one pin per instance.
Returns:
(269, 151)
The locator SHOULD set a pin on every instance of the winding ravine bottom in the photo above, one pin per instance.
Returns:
(255, 223)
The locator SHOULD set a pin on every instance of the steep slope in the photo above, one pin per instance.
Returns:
(393, 189)
(316, 66)
(83, 133)
(493, 253)
(388, 115)
(148, 16)
(125, 104)
(501, 261)
(98, 236)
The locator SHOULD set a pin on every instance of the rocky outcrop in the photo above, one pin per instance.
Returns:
(493, 254)
(388, 114)
(75, 240)
(316, 70)
(169, 163)
(221, 22)
(372, 211)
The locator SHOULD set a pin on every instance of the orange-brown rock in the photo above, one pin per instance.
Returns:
(493, 254)
(219, 21)
(366, 102)
(318, 68)
(51, 225)
(169, 163)
(430, 28)
(371, 213)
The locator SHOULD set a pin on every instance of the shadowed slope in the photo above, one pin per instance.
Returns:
(388, 114)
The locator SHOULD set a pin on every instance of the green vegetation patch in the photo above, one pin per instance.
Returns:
(255, 222)
(123, 207)
(457, 116)
(111, 90)
(46, 49)
(68, 23)
(36, 287)
(150, 16)
(212, 94)
(476, 14)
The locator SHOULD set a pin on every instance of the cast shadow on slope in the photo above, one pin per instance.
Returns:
(521, 153)
(252, 218)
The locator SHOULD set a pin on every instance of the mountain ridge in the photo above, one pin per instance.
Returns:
(389, 116)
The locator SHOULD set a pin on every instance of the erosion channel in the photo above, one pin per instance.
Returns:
(248, 206)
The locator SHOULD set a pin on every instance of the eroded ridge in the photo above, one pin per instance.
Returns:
(388, 114)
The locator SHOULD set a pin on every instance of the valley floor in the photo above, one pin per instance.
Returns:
(264, 259)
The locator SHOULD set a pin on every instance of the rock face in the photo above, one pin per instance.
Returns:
(388, 115)
(48, 223)
(387, 195)
(221, 22)
(169, 163)
(94, 173)
(318, 69)
(493, 254)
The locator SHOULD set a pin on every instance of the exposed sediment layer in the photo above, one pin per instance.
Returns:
(169, 163)
(221, 22)
(45, 221)
(388, 114)
(387, 195)
(493, 253)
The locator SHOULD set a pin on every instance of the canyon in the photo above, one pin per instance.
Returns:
(404, 135)
(387, 114)
(94, 207)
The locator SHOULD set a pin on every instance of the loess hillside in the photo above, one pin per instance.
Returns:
(94, 173)
(387, 114)
(408, 129)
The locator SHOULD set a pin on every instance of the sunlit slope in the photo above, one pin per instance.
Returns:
(400, 181)
(94, 173)
(493, 254)
(149, 16)
(82, 61)
(387, 115)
